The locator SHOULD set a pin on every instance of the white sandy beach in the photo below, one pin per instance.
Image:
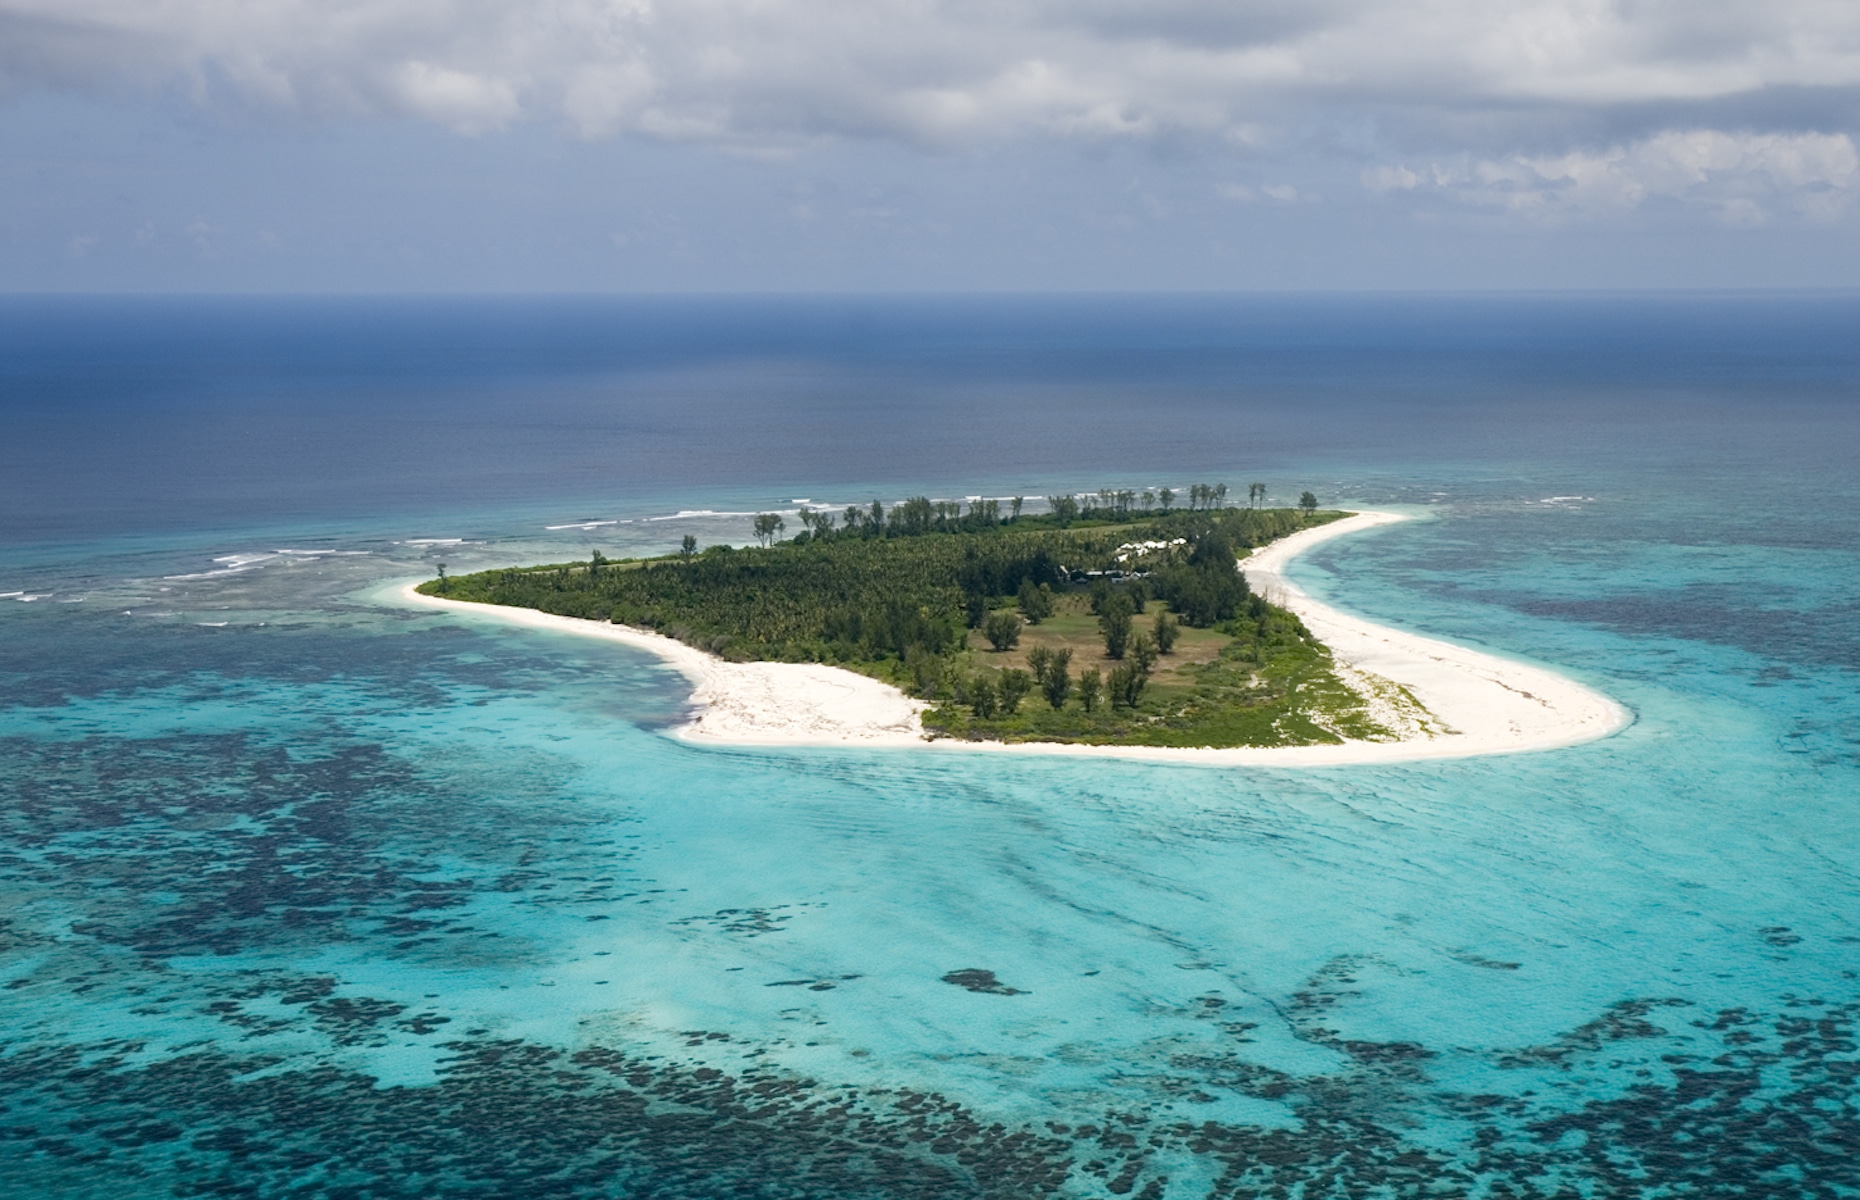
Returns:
(753, 703)
(1482, 704)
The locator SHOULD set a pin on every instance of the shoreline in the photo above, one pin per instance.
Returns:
(742, 704)
(1489, 705)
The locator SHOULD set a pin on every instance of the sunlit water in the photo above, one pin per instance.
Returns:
(306, 894)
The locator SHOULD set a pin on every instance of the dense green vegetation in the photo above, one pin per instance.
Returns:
(1111, 620)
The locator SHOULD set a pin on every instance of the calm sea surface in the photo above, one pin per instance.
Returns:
(303, 894)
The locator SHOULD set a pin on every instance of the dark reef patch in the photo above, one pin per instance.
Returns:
(974, 979)
(513, 1119)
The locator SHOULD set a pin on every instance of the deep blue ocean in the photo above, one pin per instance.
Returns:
(304, 894)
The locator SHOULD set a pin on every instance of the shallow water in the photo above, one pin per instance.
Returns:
(309, 895)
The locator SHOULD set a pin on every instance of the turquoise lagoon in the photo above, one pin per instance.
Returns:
(309, 894)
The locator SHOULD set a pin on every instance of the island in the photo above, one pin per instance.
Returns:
(1115, 623)
(1099, 622)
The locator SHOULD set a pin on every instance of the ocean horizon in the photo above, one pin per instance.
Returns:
(310, 893)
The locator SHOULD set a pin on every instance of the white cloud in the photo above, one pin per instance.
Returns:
(468, 103)
(757, 70)
(1741, 178)
(1544, 107)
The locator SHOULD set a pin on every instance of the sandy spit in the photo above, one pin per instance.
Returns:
(1481, 704)
(753, 703)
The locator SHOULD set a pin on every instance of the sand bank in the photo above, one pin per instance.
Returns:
(1481, 704)
(753, 703)
(1489, 705)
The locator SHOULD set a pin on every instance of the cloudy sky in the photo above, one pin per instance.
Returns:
(570, 145)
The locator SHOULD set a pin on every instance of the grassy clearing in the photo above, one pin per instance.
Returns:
(1257, 680)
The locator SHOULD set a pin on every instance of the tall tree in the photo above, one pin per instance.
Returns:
(1165, 631)
(1056, 683)
(1064, 508)
(1143, 652)
(1308, 502)
(1015, 684)
(687, 545)
(1091, 683)
(1167, 496)
(981, 695)
(1002, 629)
(1014, 507)
(1125, 685)
(913, 517)
(1115, 625)
(1036, 601)
(768, 527)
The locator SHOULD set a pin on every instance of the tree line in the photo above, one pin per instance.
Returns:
(920, 515)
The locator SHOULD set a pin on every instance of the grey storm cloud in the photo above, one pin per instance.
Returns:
(1548, 109)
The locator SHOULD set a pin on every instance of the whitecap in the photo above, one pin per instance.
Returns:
(9, 595)
(582, 525)
(212, 624)
(235, 563)
(701, 512)
(434, 542)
